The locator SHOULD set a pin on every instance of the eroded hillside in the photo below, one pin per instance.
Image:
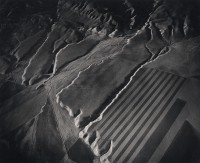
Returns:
(99, 81)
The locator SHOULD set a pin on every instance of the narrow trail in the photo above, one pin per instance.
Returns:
(153, 57)
(73, 81)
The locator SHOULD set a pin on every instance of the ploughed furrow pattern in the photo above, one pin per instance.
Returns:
(152, 143)
(131, 121)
